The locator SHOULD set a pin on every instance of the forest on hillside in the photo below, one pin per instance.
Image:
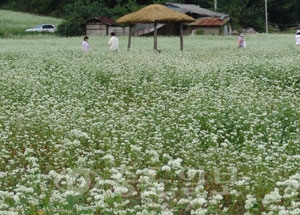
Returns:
(282, 14)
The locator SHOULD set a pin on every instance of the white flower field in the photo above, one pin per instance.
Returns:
(211, 130)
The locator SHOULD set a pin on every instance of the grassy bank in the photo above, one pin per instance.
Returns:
(13, 24)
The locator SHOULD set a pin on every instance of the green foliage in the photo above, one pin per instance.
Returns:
(72, 27)
(199, 32)
(283, 14)
(77, 14)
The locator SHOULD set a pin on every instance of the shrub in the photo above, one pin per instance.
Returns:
(72, 27)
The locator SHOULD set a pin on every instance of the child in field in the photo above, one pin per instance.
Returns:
(298, 38)
(85, 46)
(241, 41)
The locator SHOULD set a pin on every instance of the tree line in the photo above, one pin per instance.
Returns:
(282, 14)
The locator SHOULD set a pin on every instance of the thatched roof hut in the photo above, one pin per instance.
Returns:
(155, 13)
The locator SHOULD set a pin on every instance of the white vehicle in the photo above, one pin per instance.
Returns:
(42, 28)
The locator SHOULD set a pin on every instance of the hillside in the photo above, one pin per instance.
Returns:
(13, 24)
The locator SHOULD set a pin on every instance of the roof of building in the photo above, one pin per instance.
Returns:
(208, 21)
(105, 20)
(192, 8)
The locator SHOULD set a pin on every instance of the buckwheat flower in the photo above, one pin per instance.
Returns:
(296, 211)
(166, 168)
(77, 133)
(183, 201)
(116, 176)
(295, 184)
(175, 163)
(225, 210)
(76, 142)
(98, 197)
(167, 212)
(120, 189)
(154, 155)
(273, 197)
(135, 148)
(199, 211)
(250, 201)
(3, 174)
(148, 194)
(4, 194)
(23, 189)
(290, 192)
(199, 201)
(81, 160)
(218, 197)
(71, 193)
(296, 177)
(167, 156)
(16, 197)
(8, 213)
(295, 157)
(223, 144)
(109, 157)
(146, 212)
(283, 212)
(295, 204)
(3, 206)
(147, 172)
(276, 207)
(28, 151)
(33, 160)
(191, 173)
(233, 192)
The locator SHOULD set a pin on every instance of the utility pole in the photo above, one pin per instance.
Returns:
(266, 13)
(215, 4)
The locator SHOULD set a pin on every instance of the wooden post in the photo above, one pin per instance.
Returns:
(266, 14)
(129, 37)
(155, 36)
(181, 38)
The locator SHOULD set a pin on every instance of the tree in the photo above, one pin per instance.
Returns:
(245, 13)
(77, 13)
(284, 13)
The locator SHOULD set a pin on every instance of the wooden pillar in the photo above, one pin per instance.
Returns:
(129, 37)
(181, 37)
(155, 36)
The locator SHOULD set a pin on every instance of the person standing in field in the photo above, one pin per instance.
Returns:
(113, 42)
(241, 41)
(298, 38)
(85, 45)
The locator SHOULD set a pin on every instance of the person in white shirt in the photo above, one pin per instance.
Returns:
(298, 39)
(85, 46)
(113, 43)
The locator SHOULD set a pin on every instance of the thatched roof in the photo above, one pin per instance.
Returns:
(155, 13)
